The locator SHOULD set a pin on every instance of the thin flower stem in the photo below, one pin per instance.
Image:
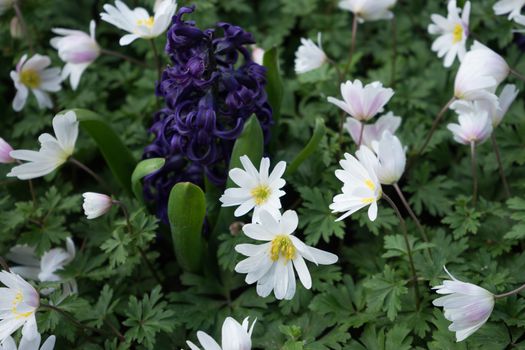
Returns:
(23, 25)
(77, 323)
(124, 57)
(361, 132)
(411, 212)
(474, 173)
(517, 74)
(157, 59)
(500, 165)
(92, 174)
(352, 45)
(141, 251)
(435, 124)
(339, 73)
(512, 292)
(409, 251)
(32, 191)
(4, 264)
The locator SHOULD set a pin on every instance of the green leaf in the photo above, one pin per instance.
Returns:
(144, 168)
(251, 144)
(186, 213)
(310, 148)
(274, 84)
(385, 291)
(116, 154)
(517, 205)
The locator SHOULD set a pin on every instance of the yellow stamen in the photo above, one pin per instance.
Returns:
(457, 33)
(19, 297)
(30, 78)
(282, 246)
(261, 194)
(368, 200)
(146, 22)
(370, 185)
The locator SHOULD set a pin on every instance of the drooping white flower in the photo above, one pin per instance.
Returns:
(391, 159)
(361, 186)
(33, 74)
(453, 32)
(5, 5)
(138, 22)
(372, 132)
(29, 344)
(369, 10)
(512, 7)
(15, 29)
(77, 49)
(272, 264)
(54, 151)
(309, 56)
(44, 269)
(362, 103)
(234, 337)
(506, 98)
(475, 124)
(18, 304)
(96, 204)
(257, 55)
(466, 305)
(257, 190)
(5, 149)
(480, 72)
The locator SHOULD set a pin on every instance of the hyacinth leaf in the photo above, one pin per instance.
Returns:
(118, 157)
(274, 85)
(310, 148)
(186, 213)
(251, 144)
(143, 169)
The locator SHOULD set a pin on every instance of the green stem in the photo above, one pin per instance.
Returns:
(157, 59)
(23, 25)
(435, 124)
(512, 292)
(500, 165)
(91, 173)
(352, 45)
(474, 173)
(124, 57)
(411, 212)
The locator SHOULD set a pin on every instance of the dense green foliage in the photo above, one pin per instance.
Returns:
(366, 300)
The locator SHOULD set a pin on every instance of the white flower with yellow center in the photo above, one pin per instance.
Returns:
(138, 22)
(453, 32)
(234, 337)
(361, 186)
(29, 344)
(54, 151)
(18, 304)
(258, 190)
(33, 74)
(272, 264)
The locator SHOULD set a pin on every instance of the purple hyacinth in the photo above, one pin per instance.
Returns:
(211, 88)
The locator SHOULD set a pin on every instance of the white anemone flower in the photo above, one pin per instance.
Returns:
(391, 159)
(29, 344)
(361, 187)
(54, 151)
(96, 204)
(257, 190)
(480, 72)
(272, 264)
(362, 102)
(372, 132)
(475, 124)
(466, 305)
(512, 7)
(77, 49)
(33, 74)
(5, 150)
(44, 269)
(369, 10)
(309, 56)
(19, 302)
(234, 337)
(453, 32)
(138, 22)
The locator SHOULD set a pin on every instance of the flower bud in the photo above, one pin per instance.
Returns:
(96, 204)
(16, 29)
(5, 150)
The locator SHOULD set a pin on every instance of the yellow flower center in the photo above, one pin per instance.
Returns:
(282, 246)
(19, 297)
(457, 33)
(370, 185)
(30, 78)
(261, 194)
(146, 22)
